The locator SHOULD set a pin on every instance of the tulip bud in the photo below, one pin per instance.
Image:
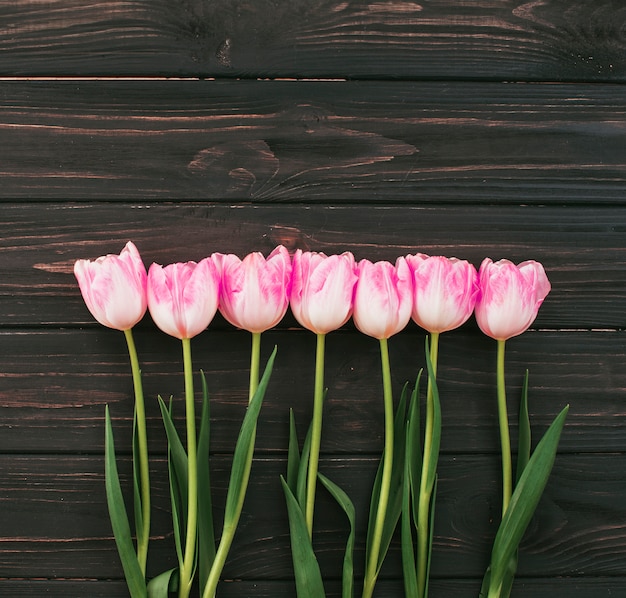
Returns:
(444, 291)
(509, 297)
(254, 292)
(183, 297)
(383, 298)
(114, 287)
(322, 288)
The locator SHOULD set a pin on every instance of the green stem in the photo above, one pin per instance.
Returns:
(187, 568)
(316, 432)
(505, 442)
(255, 359)
(426, 489)
(372, 569)
(230, 527)
(143, 534)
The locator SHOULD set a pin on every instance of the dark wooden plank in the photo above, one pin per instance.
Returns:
(581, 248)
(54, 385)
(551, 40)
(53, 509)
(313, 141)
(602, 587)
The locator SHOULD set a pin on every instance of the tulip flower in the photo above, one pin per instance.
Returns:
(182, 299)
(254, 292)
(114, 290)
(254, 296)
(508, 302)
(383, 300)
(510, 297)
(114, 287)
(444, 295)
(321, 301)
(445, 291)
(321, 292)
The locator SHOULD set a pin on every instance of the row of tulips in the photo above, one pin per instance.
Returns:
(323, 292)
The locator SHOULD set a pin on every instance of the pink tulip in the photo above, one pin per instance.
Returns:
(445, 291)
(383, 298)
(322, 288)
(183, 297)
(114, 287)
(510, 297)
(254, 293)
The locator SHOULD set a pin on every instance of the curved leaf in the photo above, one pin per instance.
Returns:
(119, 519)
(524, 501)
(306, 568)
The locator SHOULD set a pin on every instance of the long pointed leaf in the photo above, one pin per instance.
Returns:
(178, 479)
(240, 468)
(431, 523)
(394, 506)
(524, 442)
(300, 493)
(407, 542)
(293, 454)
(137, 502)
(343, 500)
(119, 519)
(414, 448)
(206, 533)
(524, 500)
(306, 568)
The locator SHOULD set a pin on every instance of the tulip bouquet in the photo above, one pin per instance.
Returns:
(182, 299)
(323, 292)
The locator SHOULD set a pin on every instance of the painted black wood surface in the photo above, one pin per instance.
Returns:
(469, 129)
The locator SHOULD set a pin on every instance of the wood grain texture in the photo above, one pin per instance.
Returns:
(269, 141)
(54, 508)
(599, 587)
(581, 248)
(506, 40)
(54, 386)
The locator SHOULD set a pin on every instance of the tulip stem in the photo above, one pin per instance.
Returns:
(505, 442)
(230, 526)
(372, 567)
(316, 431)
(143, 532)
(255, 359)
(423, 511)
(187, 568)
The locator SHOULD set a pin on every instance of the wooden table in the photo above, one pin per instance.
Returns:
(384, 128)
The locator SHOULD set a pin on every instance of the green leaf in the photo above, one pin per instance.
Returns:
(119, 519)
(306, 568)
(164, 583)
(206, 533)
(407, 542)
(303, 470)
(137, 502)
(394, 506)
(293, 455)
(431, 534)
(243, 450)
(524, 442)
(178, 478)
(343, 500)
(414, 448)
(524, 501)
